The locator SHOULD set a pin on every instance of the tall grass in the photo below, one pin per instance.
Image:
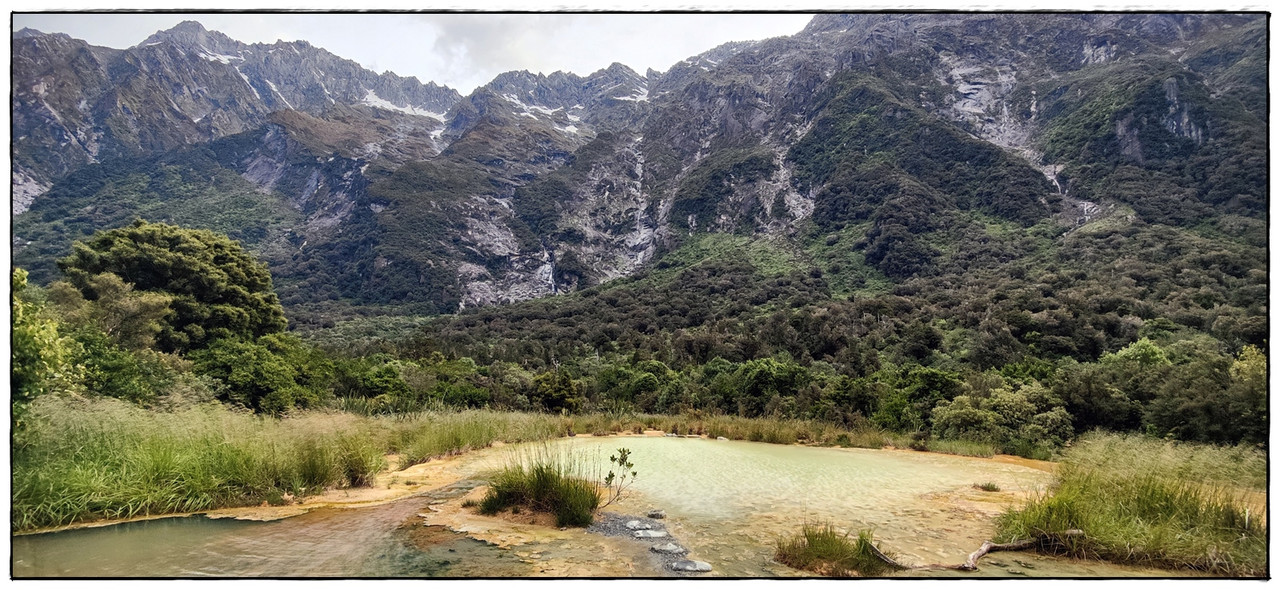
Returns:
(1152, 503)
(827, 551)
(425, 436)
(545, 483)
(108, 459)
(1229, 465)
(93, 459)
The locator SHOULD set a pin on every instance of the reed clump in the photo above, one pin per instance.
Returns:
(824, 550)
(544, 484)
(1152, 503)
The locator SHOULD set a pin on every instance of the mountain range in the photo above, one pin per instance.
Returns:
(857, 150)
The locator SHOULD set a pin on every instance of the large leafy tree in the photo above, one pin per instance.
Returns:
(217, 289)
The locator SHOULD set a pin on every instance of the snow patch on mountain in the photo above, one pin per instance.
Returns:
(277, 91)
(641, 95)
(248, 83)
(372, 99)
(211, 56)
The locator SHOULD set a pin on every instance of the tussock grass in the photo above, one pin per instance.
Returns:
(987, 486)
(829, 552)
(1151, 503)
(544, 483)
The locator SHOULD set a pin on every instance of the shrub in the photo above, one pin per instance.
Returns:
(41, 358)
(269, 375)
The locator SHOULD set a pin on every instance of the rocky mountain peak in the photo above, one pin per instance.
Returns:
(192, 35)
(26, 32)
(839, 23)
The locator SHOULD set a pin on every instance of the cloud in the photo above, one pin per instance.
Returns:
(476, 47)
(460, 50)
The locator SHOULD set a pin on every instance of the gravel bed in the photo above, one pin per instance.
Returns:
(611, 524)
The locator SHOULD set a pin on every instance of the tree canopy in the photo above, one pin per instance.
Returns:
(217, 289)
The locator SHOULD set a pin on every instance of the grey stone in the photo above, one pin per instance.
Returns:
(721, 438)
(636, 525)
(670, 548)
(656, 514)
(649, 534)
(689, 565)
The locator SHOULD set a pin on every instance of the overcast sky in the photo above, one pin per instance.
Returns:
(461, 51)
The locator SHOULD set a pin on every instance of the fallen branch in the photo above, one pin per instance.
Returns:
(885, 558)
(987, 547)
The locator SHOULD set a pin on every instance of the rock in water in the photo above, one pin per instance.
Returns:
(636, 525)
(670, 548)
(721, 438)
(689, 565)
(656, 514)
(650, 534)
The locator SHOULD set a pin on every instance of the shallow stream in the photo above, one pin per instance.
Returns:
(727, 501)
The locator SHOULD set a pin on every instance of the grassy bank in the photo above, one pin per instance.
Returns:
(1152, 503)
(84, 460)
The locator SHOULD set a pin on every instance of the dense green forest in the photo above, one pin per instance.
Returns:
(1139, 328)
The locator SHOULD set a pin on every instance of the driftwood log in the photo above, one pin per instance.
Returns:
(972, 563)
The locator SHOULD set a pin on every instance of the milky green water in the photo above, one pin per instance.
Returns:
(727, 501)
(730, 502)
